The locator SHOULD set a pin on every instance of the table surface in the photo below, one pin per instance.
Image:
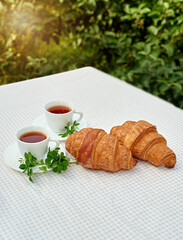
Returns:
(143, 203)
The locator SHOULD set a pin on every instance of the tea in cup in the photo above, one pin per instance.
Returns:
(34, 139)
(59, 113)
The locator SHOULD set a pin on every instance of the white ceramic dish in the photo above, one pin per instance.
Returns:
(12, 155)
(41, 121)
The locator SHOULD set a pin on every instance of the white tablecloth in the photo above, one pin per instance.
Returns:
(143, 203)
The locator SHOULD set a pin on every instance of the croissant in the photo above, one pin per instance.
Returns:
(145, 142)
(94, 148)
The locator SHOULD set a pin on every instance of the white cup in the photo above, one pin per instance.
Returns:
(37, 149)
(57, 122)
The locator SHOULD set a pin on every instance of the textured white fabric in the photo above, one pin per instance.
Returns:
(145, 203)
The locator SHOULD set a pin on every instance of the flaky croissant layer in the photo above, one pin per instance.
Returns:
(94, 148)
(145, 142)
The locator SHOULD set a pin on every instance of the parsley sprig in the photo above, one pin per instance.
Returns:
(54, 160)
(70, 129)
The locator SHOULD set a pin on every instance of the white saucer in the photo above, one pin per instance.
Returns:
(41, 121)
(12, 155)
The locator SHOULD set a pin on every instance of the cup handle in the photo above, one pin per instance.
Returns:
(80, 117)
(56, 144)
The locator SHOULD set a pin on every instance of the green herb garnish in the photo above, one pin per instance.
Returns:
(56, 161)
(70, 129)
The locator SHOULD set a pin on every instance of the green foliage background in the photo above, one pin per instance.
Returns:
(140, 42)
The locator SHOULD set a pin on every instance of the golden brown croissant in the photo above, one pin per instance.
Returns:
(145, 142)
(94, 148)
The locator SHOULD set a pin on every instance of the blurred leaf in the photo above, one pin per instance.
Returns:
(147, 48)
(145, 10)
(153, 30)
(163, 88)
(169, 48)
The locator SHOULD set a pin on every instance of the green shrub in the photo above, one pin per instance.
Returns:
(138, 41)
